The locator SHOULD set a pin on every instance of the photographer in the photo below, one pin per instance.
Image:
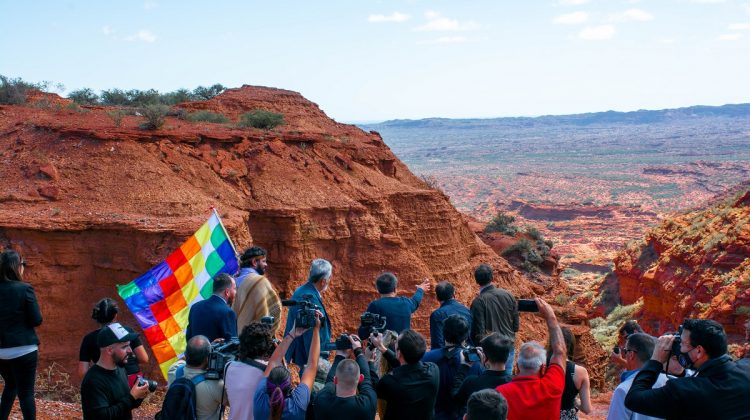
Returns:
(719, 390)
(397, 310)
(495, 350)
(275, 398)
(448, 359)
(104, 390)
(339, 396)
(317, 283)
(243, 375)
(208, 393)
(536, 393)
(637, 351)
(410, 389)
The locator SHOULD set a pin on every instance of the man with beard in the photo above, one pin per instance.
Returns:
(104, 390)
(255, 295)
(214, 317)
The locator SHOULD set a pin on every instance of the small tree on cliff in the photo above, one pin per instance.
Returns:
(155, 116)
(262, 119)
(502, 223)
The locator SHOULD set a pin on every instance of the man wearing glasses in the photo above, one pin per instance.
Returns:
(636, 352)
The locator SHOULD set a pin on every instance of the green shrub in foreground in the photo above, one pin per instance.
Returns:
(155, 116)
(262, 119)
(208, 116)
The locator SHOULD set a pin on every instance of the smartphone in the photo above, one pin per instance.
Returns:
(527, 305)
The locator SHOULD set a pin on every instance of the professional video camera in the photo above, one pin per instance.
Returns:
(341, 343)
(268, 320)
(306, 315)
(370, 323)
(221, 354)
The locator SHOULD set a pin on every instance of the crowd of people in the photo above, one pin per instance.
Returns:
(384, 370)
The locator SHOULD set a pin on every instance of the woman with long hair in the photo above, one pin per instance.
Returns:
(19, 344)
(576, 382)
(104, 313)
(275, 397)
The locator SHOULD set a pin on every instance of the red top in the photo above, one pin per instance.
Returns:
(532, 397)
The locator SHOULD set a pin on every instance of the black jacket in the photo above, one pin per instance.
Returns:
(410, 391)
(721, 390)
(494, 310)
(19, 314)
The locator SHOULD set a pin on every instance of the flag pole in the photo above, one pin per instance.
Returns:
(234, 248)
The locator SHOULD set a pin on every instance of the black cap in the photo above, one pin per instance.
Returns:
(114, 333)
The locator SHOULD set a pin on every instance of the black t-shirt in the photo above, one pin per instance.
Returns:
(105, 395)
(359, 407)
(90, 351)
(464, 386)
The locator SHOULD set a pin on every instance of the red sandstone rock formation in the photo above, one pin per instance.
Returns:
(693, 265)
(91, 205)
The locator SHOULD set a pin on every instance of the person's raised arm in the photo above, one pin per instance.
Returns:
(312, 359)
(419, 294)
(557, 343)
(280, 351)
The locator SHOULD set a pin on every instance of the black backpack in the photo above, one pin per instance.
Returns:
(179, 403)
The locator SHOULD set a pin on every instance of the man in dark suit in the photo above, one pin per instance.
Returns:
(448, 306)
(214, 317)
(317, 283)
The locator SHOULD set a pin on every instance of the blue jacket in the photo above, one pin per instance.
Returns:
(448, 362)
(438, 317)
(397, 310)
(300, 347)
(213, 318)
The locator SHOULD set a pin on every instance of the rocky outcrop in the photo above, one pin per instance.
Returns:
(91, 205)
(694, 265)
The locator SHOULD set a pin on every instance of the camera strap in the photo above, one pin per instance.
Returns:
(254, 363)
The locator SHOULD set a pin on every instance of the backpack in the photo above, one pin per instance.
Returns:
(179, 403)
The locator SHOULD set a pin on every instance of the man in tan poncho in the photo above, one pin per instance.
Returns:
(255, 295)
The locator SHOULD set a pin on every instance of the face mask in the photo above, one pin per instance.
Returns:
(684, 359)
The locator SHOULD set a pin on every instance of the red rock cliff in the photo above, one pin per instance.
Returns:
(694, 265)
(91, 205)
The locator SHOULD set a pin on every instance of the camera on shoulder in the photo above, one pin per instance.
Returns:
(221, 355)
(341, 343)
(306, 314)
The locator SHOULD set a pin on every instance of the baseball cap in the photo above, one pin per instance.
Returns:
(114, 333)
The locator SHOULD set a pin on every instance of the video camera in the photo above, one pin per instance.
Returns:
(306, 315)
(221, 354)
(341, 343)
(370, 323)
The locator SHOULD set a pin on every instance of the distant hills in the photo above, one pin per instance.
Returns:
(591, 118)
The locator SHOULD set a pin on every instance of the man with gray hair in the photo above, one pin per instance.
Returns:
(318, 281)
(536, 392)
(208, 394)
(637, 351)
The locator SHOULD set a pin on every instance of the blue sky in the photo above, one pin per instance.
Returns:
(373, 60)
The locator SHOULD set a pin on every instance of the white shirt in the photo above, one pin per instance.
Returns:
(241, 380)
(617, 409)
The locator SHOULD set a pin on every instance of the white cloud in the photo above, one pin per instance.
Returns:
(739, 26)
(438, 23)
(106, 30)
(571, 18)
(637, 15)
(707, 1)
(150, 5)
(446, 40)
(597, 33)
(573, 2)
(729, 37)
(142, 35)
(393, 17)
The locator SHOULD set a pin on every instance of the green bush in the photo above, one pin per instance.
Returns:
(116, 116)
(207, 116)
(202, 93)
(522, 246)
(605, 331)
(176, 97)
(262, 119)
(14, 91)
(84, 96)
(155, 116)
(534, 233)
(115, 97)
(502, 223)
